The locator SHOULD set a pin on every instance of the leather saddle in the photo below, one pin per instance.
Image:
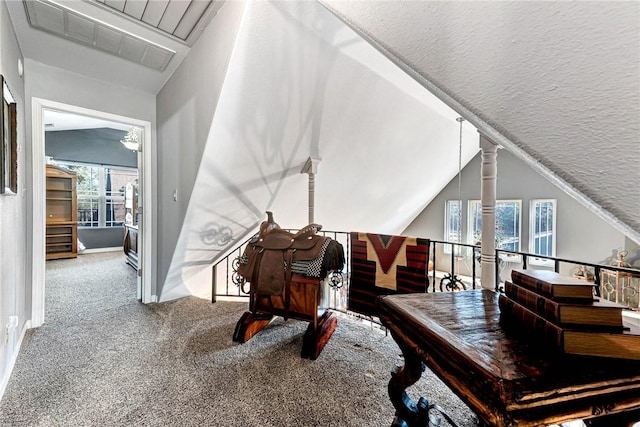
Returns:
(267, 260)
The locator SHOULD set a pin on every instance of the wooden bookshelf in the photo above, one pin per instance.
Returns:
(61, 214)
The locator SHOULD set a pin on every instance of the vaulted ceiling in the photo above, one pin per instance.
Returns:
(559, 91)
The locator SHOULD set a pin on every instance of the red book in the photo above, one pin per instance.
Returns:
(512, 311)
(553, 285)
(622, 344)
(598, 312)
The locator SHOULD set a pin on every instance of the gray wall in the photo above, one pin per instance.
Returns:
(186, 105)
(15, 293)
(581, 235)
(98, 238)
(97, 146)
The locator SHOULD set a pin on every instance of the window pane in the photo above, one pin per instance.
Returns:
(508, 226)
(542, 230)
(507, 231)
(453, 233)
(115, 184)
(88, 192)
(453, 224)
(475, 220)
(100, 192)
(88, 211)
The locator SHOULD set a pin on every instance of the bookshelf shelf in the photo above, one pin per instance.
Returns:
(61, 214)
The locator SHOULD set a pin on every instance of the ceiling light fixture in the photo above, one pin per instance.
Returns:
(130, 140)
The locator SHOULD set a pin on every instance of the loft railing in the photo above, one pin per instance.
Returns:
(612, 282)
(226, 282)
(455, 267)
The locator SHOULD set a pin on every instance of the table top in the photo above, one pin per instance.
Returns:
(504, 375)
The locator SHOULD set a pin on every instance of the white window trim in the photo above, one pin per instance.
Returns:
(102, 196)
(470, 204)
(534, 260)
(447, 248)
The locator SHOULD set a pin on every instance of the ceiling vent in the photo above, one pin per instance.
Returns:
(63, 22)
(181, 19)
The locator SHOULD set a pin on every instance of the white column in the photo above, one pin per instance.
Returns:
(489, 173)
(312, 189)
(311, 168)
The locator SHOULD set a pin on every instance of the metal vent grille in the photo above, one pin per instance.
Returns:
(60, 21)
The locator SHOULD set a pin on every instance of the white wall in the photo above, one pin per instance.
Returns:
(299, 84)
(581, 235)
(14, 291)
(560, 80)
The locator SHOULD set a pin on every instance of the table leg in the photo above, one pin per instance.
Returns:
(410, 413)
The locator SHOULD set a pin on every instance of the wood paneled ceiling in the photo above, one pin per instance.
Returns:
(178, 18)
(181, 20)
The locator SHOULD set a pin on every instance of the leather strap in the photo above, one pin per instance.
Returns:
(287, 281)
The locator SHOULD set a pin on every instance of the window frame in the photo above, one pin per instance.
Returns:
(101, 197)
(471, 220)
(447, 222)
(532, 226)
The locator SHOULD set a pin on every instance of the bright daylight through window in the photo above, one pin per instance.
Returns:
(508, 217)
(453, 223)
(542, 227)
(100, 192)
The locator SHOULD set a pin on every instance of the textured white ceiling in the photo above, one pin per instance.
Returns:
(559, 80)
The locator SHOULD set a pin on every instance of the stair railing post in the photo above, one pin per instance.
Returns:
(311, 168)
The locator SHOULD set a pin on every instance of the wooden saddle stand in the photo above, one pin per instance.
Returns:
(286, 273)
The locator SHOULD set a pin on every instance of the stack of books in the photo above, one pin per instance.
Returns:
(563, 311)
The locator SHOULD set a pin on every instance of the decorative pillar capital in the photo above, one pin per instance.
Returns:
(487, 144)
(311, 165)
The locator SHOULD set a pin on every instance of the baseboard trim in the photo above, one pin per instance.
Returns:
(98, 250)
(14, 357)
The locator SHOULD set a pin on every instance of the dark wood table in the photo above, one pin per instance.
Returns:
(503, 375)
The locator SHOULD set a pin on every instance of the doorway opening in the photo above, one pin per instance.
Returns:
(102, 211)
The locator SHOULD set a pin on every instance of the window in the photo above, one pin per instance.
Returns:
(542, 227)
(507, 223)
(100, 191)
(453, 226)
(453, 223)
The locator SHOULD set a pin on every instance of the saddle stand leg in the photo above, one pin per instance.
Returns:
(317, 337)
(249, 325)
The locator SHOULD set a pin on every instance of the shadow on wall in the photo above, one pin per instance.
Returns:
(623, 258)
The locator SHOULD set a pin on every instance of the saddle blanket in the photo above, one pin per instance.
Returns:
(385, 264)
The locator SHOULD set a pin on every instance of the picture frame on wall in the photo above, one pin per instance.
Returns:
(9, 142)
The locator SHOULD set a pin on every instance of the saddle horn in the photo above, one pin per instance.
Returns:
(268, 225)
